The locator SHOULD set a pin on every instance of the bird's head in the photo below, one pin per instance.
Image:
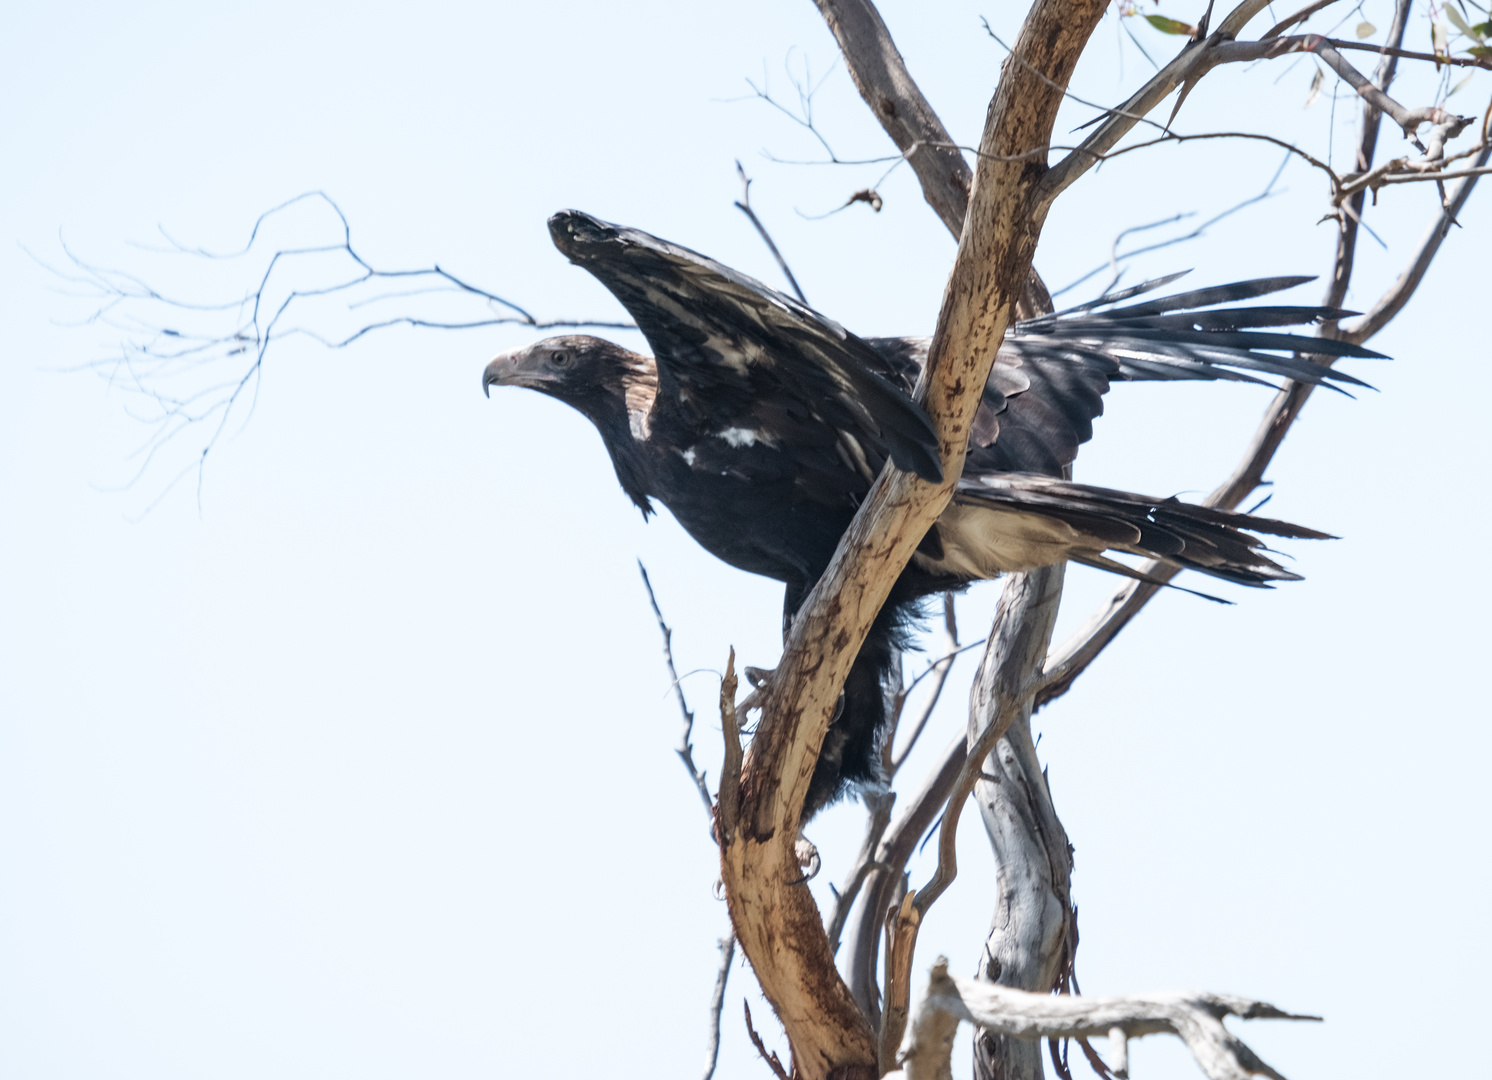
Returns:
(604, 381)
(568, 367)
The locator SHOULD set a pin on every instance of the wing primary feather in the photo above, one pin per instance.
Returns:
(1116, 297)
(1217, 294)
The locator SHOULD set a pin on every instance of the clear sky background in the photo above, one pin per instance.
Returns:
(360, 765)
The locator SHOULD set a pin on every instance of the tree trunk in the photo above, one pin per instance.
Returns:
(1031, 937)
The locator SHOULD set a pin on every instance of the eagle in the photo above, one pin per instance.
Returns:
(761, 424)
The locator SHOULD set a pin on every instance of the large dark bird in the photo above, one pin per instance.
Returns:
(761, 424)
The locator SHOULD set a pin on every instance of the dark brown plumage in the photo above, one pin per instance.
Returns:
(761, 424)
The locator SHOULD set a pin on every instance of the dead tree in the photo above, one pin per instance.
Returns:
(841, 1030)
(866, 1023)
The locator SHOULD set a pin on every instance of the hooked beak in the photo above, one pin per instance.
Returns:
(499, 367)
(506, 369)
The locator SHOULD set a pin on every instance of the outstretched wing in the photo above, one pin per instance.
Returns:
(732, 353)
(1049, 379)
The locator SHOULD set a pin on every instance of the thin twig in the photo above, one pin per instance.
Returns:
(919, 813)
(878, 806)
(727, 947)
(1299, 17)
(171, 349)
(1115, 258)
(772, 1060)
(743, 204)
(938, 670)
(1195, 60)
(685, 748)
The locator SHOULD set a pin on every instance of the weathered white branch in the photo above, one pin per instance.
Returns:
(1195, 1018)
(1032, 934)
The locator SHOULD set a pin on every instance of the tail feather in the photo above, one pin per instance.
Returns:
(1220, 543)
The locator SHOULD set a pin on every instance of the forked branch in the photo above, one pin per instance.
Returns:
(194, 362)
(880, 74)
(1195, 1018)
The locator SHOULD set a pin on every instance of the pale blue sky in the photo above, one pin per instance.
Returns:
(320, 780)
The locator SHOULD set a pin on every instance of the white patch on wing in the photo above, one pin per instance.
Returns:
(732, 355)
(688, 456)
(853, 455)
(637, 422)
(739, 437)
(642, 390)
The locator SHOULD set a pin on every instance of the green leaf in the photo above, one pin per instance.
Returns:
(1458, 86)
(1456, 21)
(1170, 26)
(1366, 29)
(1480, 50)
(1482, 29)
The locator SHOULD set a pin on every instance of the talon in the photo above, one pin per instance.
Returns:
(808, 857)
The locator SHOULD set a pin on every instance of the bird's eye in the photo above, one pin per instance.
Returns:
(560, 359)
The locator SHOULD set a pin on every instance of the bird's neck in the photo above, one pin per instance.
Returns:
(623, 417)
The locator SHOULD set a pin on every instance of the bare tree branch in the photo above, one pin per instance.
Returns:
(1195, 1018)
(1032, 941)
(1299, 17)
(196, 363)
(685, 748)
(1013, 655)
(878, 818)
(938, 671)
(918, 815)
(727, 946)
(1116, 258)
(1069, 661)
(773, 1061)
(776, 922)
(743, 204)
(1199, 57)
(881, 76)
(1393, 301)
